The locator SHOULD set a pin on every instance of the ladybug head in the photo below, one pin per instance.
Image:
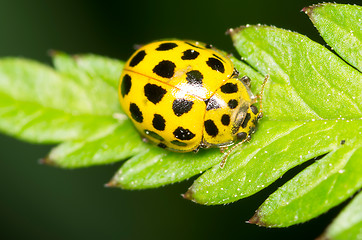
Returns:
(230, 114)
(248, 124)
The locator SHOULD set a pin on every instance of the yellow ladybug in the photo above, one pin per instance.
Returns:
(185, 95)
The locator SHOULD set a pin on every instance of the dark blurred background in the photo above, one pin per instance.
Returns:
(43, 202)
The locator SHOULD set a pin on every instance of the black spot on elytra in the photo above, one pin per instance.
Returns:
(165, 69)
(136, 113)
(200, 47)
(158, 122)
(241, 135)
(225, 120)
(137, 58)
(254, 109)
(229, 88)
(211, 128)
(166, 46)
(212, 104)
(246, 120)
(194, 77)
(216, 64)
(190, 54)
(162, 145)
(183, 134)
(153, 135)
(178, 143)
(154, 93)
(126, 85)
(181, 106)
(233, 103)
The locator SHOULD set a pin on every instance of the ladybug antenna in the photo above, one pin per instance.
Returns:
(226, 155)
(260, 114)
(260, 96)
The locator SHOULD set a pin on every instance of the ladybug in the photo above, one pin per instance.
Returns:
(186, 95)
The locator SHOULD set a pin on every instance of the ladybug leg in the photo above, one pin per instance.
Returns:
(226, 155)
(145, 140)
(223, 149)
(235, 73)
(196, 149)
(260, 97)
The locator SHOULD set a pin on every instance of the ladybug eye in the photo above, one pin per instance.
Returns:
(241, 135)
(254, 109)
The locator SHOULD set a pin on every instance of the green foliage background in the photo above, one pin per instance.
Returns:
(44, 201)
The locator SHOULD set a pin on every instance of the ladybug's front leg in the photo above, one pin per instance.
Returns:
(260, 97)
(196, 149)
(223, 149)
(226, 155)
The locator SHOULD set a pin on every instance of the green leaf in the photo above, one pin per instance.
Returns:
(315, 190)
(348, 224)
(311, 106)
(35, 123)
(95, 67)
(40, 105)
(157, 167)
(340, 26)
(117, 144)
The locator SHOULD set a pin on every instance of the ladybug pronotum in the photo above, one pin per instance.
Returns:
(185, 95)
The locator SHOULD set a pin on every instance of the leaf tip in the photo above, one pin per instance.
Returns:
(53, 53)
(233, 31)
(112, 183)
(323, 237)
(256, 219)
(46, 161)
(188, 195)
(116, 181)
(230, 31)
(309, 10)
